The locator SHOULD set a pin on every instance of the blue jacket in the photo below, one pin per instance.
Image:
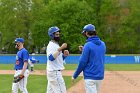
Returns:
(92, 59)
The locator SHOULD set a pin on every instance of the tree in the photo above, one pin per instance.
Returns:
(116, 22)
(70, 16)
(15, 22)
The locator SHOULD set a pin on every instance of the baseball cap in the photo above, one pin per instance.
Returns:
(19, 40)
(89, 27)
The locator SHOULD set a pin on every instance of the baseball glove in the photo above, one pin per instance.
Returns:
(18, 78)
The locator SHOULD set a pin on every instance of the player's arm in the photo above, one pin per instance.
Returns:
(25, 59)
(24, 67)
(56, 53)
(83, 61)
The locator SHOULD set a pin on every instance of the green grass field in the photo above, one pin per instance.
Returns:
(108, 67)
(36, 83)
(37, 66)
(122, 67)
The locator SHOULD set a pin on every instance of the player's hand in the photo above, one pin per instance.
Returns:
(66, 52)
(80, 48)
(63, 46)
(18, 78)
(73, 80)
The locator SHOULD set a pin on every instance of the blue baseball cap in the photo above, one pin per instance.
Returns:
(19, 40)
(89, 27)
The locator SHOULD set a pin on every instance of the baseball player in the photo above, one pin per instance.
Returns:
(55, 62)
(21, 67)
(32, 61)
(91, 61)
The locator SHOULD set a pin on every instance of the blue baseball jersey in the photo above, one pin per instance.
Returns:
(33, 60)
(21, 57)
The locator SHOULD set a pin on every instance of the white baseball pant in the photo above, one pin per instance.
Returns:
(56, 82)
(21, 84)
(92, 86)
(30, 63)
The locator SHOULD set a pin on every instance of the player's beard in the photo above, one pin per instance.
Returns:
(57, 39)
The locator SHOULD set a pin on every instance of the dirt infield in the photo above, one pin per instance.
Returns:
(114, 82)
(121, 82)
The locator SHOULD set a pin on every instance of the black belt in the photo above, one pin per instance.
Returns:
(18, 69)
(57, 70)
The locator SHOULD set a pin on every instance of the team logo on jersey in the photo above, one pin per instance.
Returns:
(17, 61)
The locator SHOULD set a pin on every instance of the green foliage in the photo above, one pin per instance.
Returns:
(15, 22)
(119, 29)
(69, 16)
(116, 23)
